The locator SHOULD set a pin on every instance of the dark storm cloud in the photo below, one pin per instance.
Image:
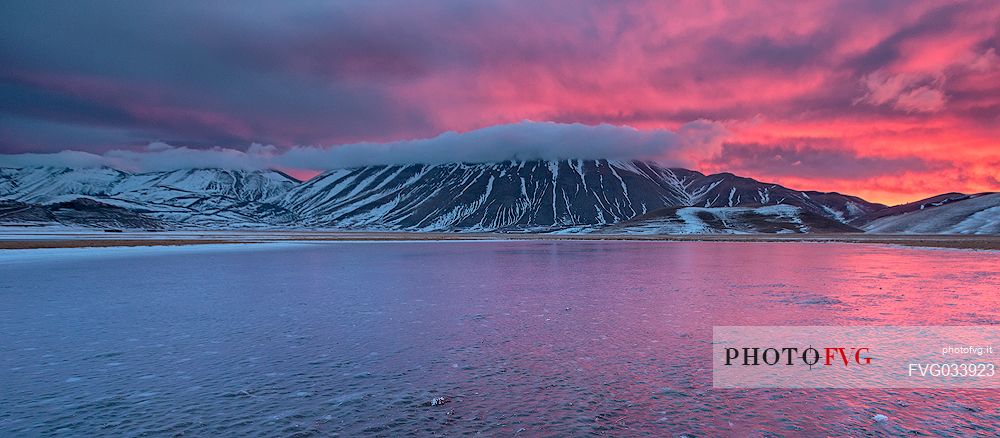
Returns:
(156, 69)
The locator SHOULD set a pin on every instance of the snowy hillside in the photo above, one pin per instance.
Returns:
(946, 214)
(729, 220)
(191, 197)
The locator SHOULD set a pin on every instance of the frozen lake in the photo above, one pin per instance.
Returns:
(541, 338)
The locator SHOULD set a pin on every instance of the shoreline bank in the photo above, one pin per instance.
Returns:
(27, 240)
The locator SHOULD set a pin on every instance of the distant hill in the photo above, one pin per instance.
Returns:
(951, 213)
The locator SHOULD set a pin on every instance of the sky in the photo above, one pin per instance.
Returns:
(889, 100)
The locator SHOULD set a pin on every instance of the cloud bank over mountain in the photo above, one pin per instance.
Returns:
(526, 140)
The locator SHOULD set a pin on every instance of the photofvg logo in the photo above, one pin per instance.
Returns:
(855, 357)
(809, 356)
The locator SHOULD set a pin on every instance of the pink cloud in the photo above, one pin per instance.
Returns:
(922, 99)
(871, 81)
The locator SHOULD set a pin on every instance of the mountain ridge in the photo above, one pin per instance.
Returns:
(508, 196)
(531, 195)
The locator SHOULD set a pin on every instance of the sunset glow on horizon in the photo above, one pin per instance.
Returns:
(891, 101)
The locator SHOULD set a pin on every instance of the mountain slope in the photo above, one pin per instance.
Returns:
(80, 212)
(533, 195)
(191, 197)
(22, 214)
(934, 201)
(952, 213)
(90, 213)
(779, 218)
(47, 184)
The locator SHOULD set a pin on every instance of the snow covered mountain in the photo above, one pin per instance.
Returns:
(951, 213)
(190, 197)
(534, 195)
(609, 196)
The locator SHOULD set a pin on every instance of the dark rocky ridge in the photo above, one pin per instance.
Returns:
(20, 213)
(82, 212)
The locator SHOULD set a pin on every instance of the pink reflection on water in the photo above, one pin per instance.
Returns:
(555, 338)
(616, 337)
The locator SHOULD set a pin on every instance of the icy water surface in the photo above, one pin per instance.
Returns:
(529, 338)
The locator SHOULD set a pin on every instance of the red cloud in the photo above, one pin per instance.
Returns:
(870, 83)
